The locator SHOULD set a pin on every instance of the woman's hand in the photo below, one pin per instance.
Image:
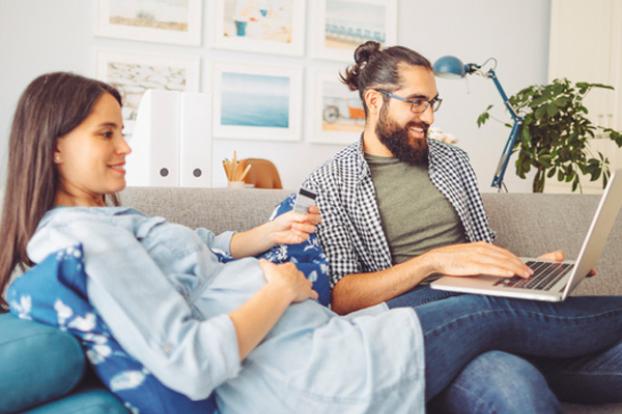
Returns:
(288, 278)
(254, 319)
(288, 228)
(293, 227)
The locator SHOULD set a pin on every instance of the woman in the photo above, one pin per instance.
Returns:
(246, 329)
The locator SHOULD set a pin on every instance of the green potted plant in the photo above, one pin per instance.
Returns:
(555, 134)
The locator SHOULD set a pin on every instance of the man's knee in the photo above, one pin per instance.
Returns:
(497, 382)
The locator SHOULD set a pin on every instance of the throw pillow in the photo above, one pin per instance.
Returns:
(308, 256)
(38, 363)
(54, 293)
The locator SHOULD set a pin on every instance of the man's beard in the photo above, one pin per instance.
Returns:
(404, 147)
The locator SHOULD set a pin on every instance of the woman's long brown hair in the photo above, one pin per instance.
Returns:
(50, 107)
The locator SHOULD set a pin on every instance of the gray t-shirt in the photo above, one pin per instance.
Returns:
(415, 216)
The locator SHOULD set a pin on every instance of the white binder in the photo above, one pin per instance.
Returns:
(195, 144)
(171, 142)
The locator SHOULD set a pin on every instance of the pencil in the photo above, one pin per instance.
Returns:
(224, 165)
(248, 167)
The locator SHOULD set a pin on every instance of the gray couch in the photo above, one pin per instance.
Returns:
(527, 224)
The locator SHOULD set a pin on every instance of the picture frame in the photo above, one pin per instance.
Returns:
(337, 116)
(263, 26)
(161, 21)
(256, 102)
(339, 26)
(132, 73)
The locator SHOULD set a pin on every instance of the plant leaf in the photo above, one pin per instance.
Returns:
(481, 120)
(551, 110)
(551, 173)
(575, 184)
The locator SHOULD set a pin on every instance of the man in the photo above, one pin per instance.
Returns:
(398, 207)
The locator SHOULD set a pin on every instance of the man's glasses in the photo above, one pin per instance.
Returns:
(417, 105)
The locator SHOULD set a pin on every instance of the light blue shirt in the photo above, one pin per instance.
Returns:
(166, 298)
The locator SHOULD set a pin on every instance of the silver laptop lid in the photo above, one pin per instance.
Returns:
(602, 223)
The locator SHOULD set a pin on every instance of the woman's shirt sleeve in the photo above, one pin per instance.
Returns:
(219, 243)
(146, 315)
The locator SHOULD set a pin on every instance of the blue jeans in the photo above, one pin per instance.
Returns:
(467, 375)
(497, 382)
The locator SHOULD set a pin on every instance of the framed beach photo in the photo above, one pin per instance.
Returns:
(133, 73)
(336, 113)
(339, 26)
(266, 26)
(257, 102)
(162, 21)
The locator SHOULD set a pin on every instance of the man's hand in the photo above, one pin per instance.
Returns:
(556, 256)
(559, 256)
(470, 259)
(292, 227)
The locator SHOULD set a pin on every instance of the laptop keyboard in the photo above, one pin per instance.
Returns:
(545, 276)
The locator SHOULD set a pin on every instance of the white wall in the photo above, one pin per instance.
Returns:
(37, 36)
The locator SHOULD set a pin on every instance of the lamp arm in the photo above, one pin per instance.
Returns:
(506, 101)
(497, 181)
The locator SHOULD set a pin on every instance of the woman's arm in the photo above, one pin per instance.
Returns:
(155, 324)
(288, 228)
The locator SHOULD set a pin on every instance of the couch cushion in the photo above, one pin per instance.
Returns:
(37, 363)
(213, 208)
(90, 400)
(54, 293)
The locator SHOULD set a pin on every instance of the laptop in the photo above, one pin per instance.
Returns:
(551, 281)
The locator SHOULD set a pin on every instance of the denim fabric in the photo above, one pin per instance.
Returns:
(418, 296)
(497, 382)
(471, 324)
(490, 380)
(487, 384)
(166, 298)
(592, 379)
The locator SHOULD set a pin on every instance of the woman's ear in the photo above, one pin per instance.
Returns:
(57, 156)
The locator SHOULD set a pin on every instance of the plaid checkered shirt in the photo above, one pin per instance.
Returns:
(351, 231)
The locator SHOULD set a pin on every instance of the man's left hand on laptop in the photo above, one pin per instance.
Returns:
(559, 256)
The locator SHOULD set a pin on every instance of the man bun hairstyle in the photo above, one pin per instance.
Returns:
(362, 55)
(375, 67)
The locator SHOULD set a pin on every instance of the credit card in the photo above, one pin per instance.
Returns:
(304, 200)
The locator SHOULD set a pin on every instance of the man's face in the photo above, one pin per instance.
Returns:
(401, 130)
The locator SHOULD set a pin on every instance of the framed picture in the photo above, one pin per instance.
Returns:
(133, 73)
(257, 102)
(337, 114)
(162, 21)
(339, 26)
(268, 26)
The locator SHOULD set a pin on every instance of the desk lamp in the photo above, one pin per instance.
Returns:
(450, 67)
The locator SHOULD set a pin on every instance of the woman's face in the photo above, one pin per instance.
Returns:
(91, 158)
